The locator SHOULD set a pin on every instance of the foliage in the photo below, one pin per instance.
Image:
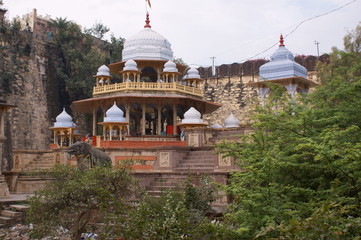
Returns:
(180, 61)
(303, 160)
(98, 30)
(78, 57)
(15, 45)
(75, 199)
(115, 48)
(176, 214)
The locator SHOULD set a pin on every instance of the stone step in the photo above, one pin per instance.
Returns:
(204, 157)
(200, 161)
(43, 165)
(164, 184)
(11, 214)
(160, 188)
(199, 153)
(195, 160)
(6, 220)
(170, 177)
(195, 165)
(19, 208)
(195, 169)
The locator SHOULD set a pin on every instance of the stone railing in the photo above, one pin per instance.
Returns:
(145, 86)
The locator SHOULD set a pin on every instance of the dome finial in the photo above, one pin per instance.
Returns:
(147, 21)
(281, 41)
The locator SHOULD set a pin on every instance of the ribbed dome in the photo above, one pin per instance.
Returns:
(216, 126)
(193, 73)
(282, 65)
(170, 67)
(130, 65)
(103, 71)
(64, 120)
(192, 116)
(114, 114)
(147, 45)
(282, 53)
(231, 121)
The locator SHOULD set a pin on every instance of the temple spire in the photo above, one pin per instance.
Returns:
(281, 41)
(147, 21)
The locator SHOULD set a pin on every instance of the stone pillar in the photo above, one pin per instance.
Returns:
(110, 133)
(127, 115)
(143, 119)
(159, 120)
(174, 119)
(263, 92)
(94, 122)
(291, 88)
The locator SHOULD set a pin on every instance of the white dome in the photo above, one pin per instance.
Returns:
(282, 65)
(64, 120)
(192, 116)
(231, 121)
(147, 45)
(170, 67)
(193, 73)
(216, 126)
(103, 71)
(114, 114)
(130, 65)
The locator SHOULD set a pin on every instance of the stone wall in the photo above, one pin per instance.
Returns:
(27, 124)
(228, 87)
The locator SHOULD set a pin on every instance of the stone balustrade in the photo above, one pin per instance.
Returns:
(146, 86)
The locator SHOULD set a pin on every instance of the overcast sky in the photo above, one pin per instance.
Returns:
(230, 30)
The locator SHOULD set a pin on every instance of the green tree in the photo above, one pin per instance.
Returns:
(76, 199)
(302, 159)
(78, 57)
(98, 30)
(115, 48)
(176, 214)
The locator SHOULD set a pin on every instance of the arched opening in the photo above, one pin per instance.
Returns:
(148, 74)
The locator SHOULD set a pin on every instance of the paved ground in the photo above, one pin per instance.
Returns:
(15, 198)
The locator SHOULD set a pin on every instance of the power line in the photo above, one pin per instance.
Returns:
(298, 25)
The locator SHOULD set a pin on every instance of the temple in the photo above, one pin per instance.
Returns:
(151, 90)
(151, 110)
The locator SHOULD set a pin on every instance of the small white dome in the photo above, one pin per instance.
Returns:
(170, 67)
(130, 65)
(192, 116)
(231, 121)
(103, 71)
(193, 73)
(216, 125)
(64, 120)
(114, 114)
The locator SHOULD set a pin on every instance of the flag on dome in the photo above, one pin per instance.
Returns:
(148, 1)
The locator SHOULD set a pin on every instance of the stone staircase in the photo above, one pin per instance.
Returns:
(165, 182)
(199, 161)
(40, 163)
(196, 163)
(13, 214)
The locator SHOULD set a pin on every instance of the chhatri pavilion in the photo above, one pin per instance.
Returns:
(153, 92)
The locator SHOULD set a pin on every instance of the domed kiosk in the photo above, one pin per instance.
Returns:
(150, 90)
(65, 130)
(282, 69)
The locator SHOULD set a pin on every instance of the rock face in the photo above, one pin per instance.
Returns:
(234, 96)
(27, 124)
